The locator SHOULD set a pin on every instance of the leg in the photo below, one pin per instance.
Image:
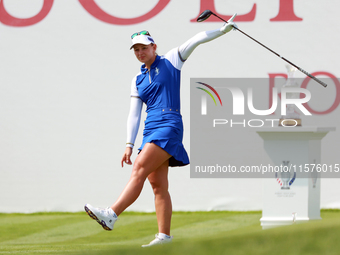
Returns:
(150, 158)
(159, 182)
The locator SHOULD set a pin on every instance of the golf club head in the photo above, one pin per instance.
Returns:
(204, 15)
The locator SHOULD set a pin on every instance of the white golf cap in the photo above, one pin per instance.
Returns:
(142, 39)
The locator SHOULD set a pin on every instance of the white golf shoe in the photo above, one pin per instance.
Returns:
(105, 217)
(158, 241)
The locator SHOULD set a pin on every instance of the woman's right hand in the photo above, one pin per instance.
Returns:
(230, 25)
(126, 156)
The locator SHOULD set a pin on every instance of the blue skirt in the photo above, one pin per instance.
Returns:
(164, 127)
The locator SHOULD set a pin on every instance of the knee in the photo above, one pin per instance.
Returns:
(138, 171)
(158, 187)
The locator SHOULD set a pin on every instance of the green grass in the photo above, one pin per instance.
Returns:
(194, 233)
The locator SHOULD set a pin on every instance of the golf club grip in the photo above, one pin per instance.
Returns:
(313, 77)
(305, 72)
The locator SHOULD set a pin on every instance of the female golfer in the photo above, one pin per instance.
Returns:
(158, 86)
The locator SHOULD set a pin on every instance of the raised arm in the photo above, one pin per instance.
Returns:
(188, 47)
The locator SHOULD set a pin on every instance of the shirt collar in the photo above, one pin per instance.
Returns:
(144, 70)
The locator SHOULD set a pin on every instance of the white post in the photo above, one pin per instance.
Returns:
(287, 198)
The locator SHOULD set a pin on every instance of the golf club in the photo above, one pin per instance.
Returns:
(207, 13)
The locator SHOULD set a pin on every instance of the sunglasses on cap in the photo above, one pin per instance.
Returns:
(144, 32)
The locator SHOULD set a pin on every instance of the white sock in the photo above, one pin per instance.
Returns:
(163, 236)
